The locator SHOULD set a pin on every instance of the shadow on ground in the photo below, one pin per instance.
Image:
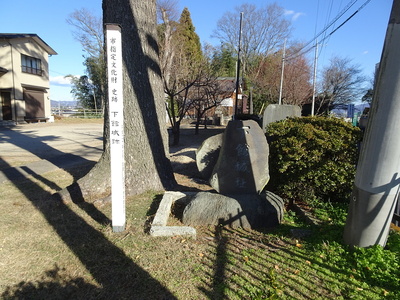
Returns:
(117, 275)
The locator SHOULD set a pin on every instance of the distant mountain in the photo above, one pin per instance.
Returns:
(69, 104)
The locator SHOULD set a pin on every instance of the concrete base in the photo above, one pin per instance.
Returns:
(118, 228)
(369, 218)
(159, 225)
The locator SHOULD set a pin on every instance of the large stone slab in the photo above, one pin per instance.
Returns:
(242, 165)
(277, 112)
(207, 155)
(245, 211)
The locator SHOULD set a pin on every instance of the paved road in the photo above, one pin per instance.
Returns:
(38, 148)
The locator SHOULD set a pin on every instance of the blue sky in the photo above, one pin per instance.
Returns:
(360, 39)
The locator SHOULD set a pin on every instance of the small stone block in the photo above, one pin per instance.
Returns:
(163, 211)
(172, 231)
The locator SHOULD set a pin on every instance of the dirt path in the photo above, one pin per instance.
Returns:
(183, 158)
(46, 143)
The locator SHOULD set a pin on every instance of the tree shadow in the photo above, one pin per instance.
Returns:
(53, 284)
(253, 265)
(118, 276)
(49, 155)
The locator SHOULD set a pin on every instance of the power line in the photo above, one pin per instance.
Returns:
(330, 10)
(301, 51)
(57, 72)
(361, 7)
(348, 6)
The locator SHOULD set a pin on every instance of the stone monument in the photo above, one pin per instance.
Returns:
(236, 165)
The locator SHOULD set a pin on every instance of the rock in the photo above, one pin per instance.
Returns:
(207, 155)
(277, 112)
(242, 165)
(245, 211)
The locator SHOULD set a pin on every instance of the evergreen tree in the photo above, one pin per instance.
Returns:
(82, 89)
(96, 71)
(224, 61)
(181, 60)
(190, 41)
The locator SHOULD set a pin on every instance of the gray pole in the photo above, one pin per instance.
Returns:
(251, 101)
(282, 72)
(377, 181)
(238, 67)
(314, 78)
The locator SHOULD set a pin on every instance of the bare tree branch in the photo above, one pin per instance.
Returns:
(264, 29)
(88, 31)
(342, 83)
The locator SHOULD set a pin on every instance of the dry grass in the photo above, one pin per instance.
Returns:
(51, 250)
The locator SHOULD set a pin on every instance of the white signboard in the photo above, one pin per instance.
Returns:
(116, 116)
(227, 102)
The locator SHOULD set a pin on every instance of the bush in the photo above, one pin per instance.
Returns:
(312, 158)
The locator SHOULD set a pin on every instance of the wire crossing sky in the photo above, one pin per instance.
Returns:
(360, 38)
(326, 36)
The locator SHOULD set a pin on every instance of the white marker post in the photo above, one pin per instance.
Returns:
(116, 118)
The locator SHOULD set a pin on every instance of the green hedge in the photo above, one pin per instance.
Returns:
(313, 158)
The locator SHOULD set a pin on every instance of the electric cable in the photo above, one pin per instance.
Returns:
(301, 52)
(348, 6)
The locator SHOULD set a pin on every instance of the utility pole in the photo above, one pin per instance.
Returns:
(314, 78)
(251, 111)
(238, 66)
(377, 182)
(283, 69)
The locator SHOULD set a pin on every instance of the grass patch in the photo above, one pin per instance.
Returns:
(50, 250)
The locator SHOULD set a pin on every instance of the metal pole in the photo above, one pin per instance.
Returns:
(377, 181)
(95, 104)
(283, 68)
(251, 111)
(238, 66)
(314, 78)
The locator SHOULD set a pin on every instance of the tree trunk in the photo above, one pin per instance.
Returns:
(198, 121)
(146, 148)
(176, 132)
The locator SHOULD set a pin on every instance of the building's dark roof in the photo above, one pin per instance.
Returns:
(35, 37)
(227, 84)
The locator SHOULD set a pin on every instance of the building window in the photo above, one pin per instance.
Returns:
(31, 65)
